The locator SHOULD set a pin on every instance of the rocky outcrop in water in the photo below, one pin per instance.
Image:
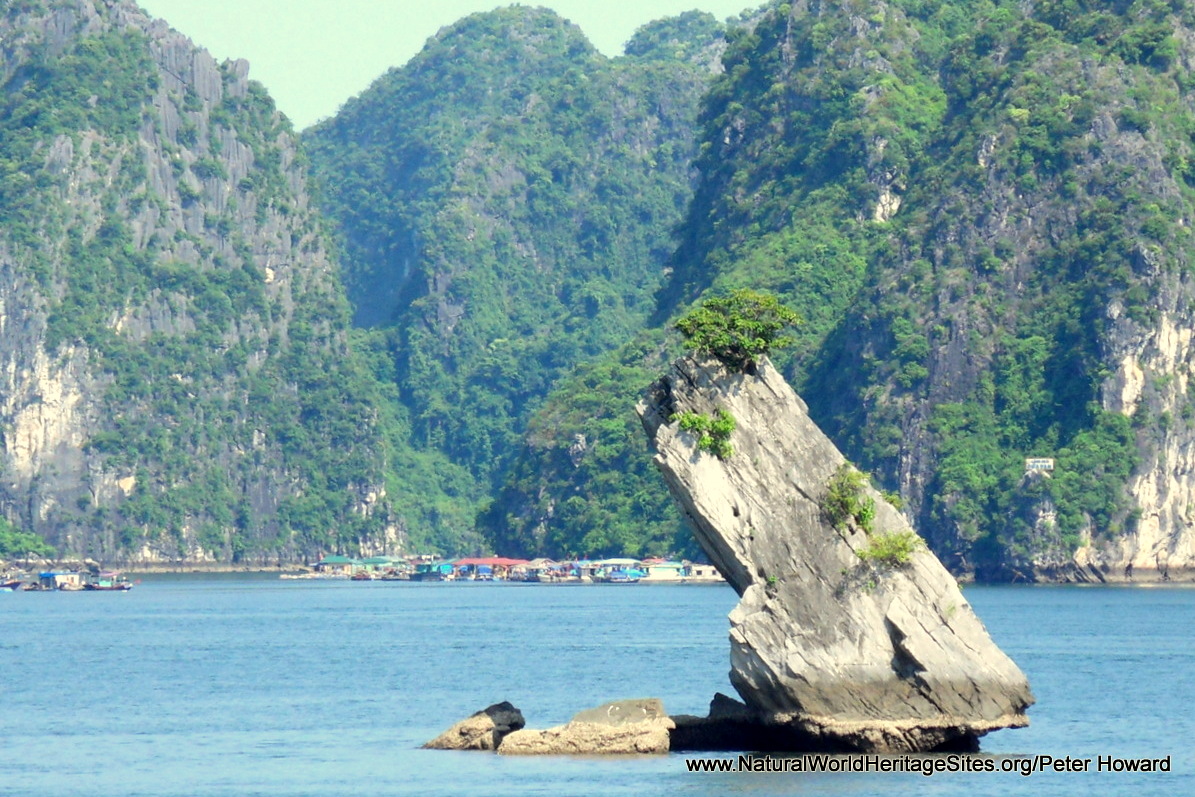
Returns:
(621, 727)
(485, 730)
(834, 643)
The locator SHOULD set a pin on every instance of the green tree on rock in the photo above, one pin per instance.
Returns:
(738, 328)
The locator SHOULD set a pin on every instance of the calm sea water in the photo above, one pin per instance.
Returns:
(248, 685)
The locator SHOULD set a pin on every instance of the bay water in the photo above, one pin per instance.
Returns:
(250, 685)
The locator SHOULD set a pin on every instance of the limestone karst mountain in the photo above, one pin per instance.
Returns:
(982, 212)
(173, 338)
(505, 203)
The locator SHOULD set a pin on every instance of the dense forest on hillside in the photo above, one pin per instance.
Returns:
(981, 211)
(505, 202)
(178, 377)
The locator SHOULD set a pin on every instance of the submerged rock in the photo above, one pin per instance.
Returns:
(624, 727)
(833, 646)
(484, 730)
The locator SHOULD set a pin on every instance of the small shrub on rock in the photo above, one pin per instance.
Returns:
(845, 499)
(892, 549)
(713, 434)
(739, 328)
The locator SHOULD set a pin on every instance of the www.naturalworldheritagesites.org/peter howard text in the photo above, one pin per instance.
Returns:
(928, 764)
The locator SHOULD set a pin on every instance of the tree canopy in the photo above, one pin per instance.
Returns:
(738, 328)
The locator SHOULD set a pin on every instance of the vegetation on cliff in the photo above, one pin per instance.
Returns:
(978, 211)
(504, 204)
(739, 328)
(582, 483)
(162, 261)
(16, 544)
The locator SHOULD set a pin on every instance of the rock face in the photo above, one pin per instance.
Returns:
(836, 651)
(624, 727)
(166, 303)
(485, 730)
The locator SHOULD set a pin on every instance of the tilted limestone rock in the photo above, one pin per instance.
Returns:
(624, 727)
(829, 649)
(485, 730)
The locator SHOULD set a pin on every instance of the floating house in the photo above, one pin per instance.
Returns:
(701, 572)
(380, 564)
(656, 571)
(487, 568)
(67, 581)
(434, 571)
(340, 565)
(539, 570)
(617, 571)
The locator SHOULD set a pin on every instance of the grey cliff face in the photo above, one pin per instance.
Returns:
(855, 655)
(222, 286)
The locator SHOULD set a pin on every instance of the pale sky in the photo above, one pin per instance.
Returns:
(313, 55)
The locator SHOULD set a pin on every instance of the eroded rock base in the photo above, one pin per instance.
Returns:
(642, 727)
(484, 730)
(732, 727)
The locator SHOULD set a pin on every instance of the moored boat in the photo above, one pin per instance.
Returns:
(109, 581)
(61, 580)
(434, 571)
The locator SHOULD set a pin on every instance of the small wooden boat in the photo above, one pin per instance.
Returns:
(109, 582)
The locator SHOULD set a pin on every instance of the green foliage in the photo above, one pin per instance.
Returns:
(1002, 343)
(738, 329)
(583, 483)
(688, 36)
(516, 232)
(16, 544)
(232, 404)
(504, 203)
(891, 549)
(208, 168)
(713, 433)
(98, 84)
(845, 500)
(915, 338)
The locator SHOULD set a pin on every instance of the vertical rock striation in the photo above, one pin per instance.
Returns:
(834, 650)
(176, 382)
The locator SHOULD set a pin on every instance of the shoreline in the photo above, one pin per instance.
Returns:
(1141, 577)
(1138, 576)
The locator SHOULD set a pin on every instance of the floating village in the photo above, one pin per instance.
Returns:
(90, 576)
(62, 580)
(500, 568)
